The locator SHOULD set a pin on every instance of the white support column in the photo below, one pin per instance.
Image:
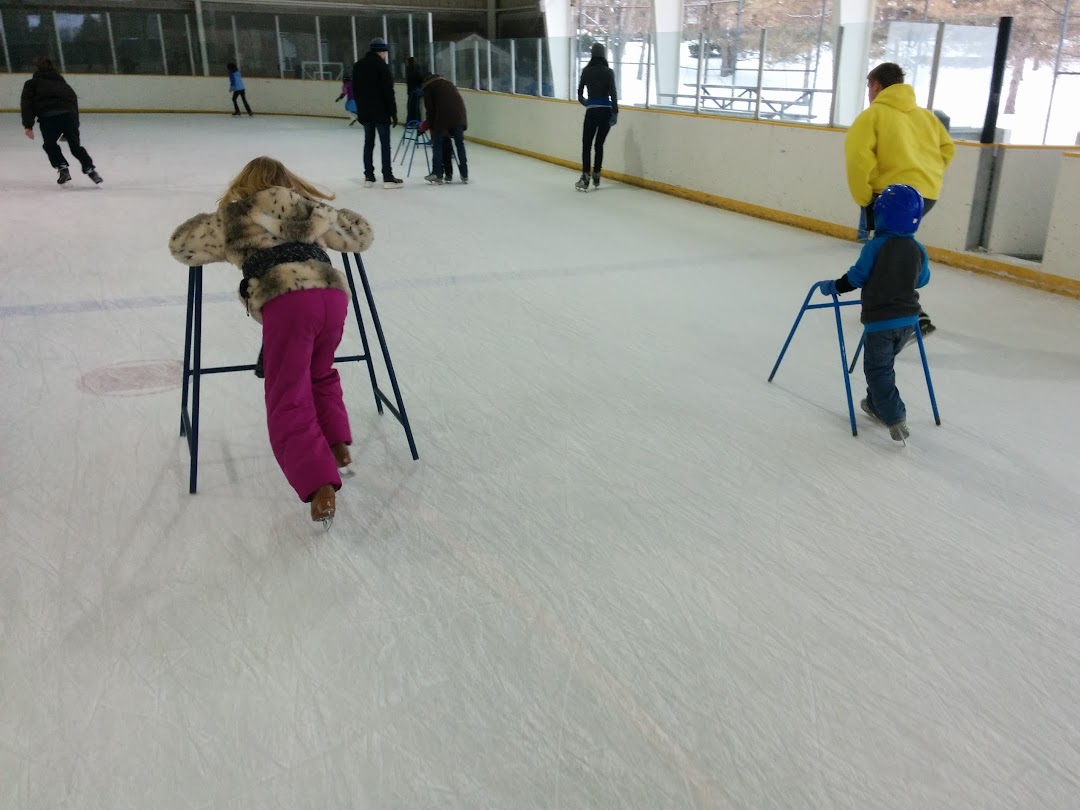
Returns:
(453, 63)
(412, 45)
(318, 45)
(561, 39)
(490, 86)
(540, 67)
(476, 64)
(764, 43)
(112, 42)
(355, 53)
(385, 31)
(59, 44)
(857, 19)
(7, 56)
(200, 29)
(161, 38)
(667, 22)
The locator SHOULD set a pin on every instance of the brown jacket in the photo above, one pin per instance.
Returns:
(274, 216)
(444, 105)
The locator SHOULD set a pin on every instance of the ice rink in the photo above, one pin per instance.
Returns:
(626, 572)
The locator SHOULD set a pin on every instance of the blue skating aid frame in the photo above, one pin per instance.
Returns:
(848, 370)
(193, 368)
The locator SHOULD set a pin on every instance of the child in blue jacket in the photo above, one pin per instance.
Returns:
(236, 87)
(890, 268)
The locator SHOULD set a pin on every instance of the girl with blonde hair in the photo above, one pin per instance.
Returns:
(274, 226)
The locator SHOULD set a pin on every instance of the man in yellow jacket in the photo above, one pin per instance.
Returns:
(895, 141)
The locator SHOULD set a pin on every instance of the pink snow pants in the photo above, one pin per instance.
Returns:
(305, 410)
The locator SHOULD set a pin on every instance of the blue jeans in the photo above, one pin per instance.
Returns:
(438, 145)
(369, 150)
(879, 352)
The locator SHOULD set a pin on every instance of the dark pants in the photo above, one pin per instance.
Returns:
(448, 158)
(412, 108)
(242, 95)
(879, 352)
(440, 148)
(597, 125)
(66, 124)
(868, 215)
(370, 128)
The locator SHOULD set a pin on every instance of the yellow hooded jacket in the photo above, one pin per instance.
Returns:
(896, 141)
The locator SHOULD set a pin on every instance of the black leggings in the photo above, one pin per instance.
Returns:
(597, 124)
(242, 95)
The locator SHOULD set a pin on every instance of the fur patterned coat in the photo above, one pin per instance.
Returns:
(272, 217)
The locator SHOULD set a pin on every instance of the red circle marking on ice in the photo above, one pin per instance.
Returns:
(133, 378)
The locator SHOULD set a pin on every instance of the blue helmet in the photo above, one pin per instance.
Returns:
(899, 209)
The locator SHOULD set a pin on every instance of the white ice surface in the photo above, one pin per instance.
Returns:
(626, 571)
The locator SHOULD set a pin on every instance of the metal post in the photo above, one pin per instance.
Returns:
(3, 42)
(112, 42)
(1057, 66)
(280, 50)
(648, 68)
(235, 42)
(453, 63)
(513, 66)
(997, 78)
(431, 41)
(161, 37)
(200, 29)
(760, 72)
(936, 66)
(837, 51)
(59, 44)
(318, 45)
(703, 55)
(490, 85)
(540, 67)
(412, 48)
(355, 53)
(385, 32)
(190, 44)
(476, 64)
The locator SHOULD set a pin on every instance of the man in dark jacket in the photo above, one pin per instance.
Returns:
(447, 120)
(376, 109)
(50, 100)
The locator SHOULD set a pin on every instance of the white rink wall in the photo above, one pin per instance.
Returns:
(1062, 256)
(794, 171)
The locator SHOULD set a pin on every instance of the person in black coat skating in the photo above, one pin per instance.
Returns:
(376, 109)
(601, 113)
(50, 100)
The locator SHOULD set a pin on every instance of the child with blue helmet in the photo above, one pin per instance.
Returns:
(890, 268)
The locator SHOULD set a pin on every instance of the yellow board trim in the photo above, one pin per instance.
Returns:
(984, 265)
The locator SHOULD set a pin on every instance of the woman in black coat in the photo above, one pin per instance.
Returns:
(414, 77)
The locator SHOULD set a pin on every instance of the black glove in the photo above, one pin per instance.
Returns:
(393, 121)
(614, 119)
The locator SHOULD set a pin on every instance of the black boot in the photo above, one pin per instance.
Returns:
(65, 176)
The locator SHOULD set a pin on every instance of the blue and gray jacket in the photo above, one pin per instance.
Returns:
(889, 270)
(236, 84)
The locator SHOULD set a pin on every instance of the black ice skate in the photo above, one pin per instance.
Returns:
(393, 182)
(898, 432)
(65, 176)
(433, 179)
(583, 183)
(596, 179)
(92, 173)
